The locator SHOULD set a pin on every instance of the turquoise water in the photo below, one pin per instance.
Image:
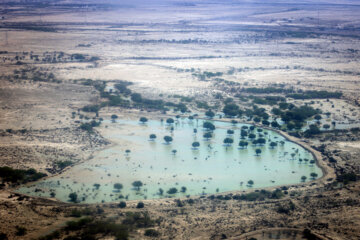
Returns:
(212, 167)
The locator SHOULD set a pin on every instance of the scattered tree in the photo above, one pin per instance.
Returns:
(73, 197)
(122, 204)
(273, 144)
(243, 144)
(303, 178)
(152, 137)
(140, 205)
(209, 126)
(313, 175)
(169, 121)
(172, 190)
(195, 144)
(258, 151)
(168, 139)
(210, 113)
(137, 184)
(118, 186)
(230, 131)
(143, 120)
(228, 141)
(207, 135)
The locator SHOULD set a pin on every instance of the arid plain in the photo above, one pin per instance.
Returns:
(65, 63)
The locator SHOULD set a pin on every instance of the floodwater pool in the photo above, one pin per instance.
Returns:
(212, 167)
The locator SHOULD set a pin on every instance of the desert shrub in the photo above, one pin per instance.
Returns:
(122, 204)
(19, 176)
(20, 231)
(91, 108)
(63, 164)
(151, 233)
(137, 219)
(140, 205)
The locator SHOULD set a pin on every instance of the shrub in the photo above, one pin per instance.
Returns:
(151, 233)
(122, 204)
(20, 231)
(140, 205)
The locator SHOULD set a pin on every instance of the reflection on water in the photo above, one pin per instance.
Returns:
(210, 168)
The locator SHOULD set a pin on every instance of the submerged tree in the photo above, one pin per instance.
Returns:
(172, 190)
(230, 131)
(152, 137)
(273, 144)
(195, 144)
(118, 186)
(73, 197)
(258, 151)
(209, 126)
(143, 119)
(137, 184)
(207, 135)
(243, 144)
(168, 139)
(313, 175)
(228, 141)
(210, 113)
(169, 121)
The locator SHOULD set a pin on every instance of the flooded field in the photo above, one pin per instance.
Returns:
(146, 168)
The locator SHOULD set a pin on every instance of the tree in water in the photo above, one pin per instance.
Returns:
(169, 121)
(313, 175)
(114, 117)
(243, 144)
(172, 190)
(273, 145)
(152, 137)
(228, 141)
(73, 197)
(258, 151)
(209, 113)
(137, 184)
(118, 186)
(168, 139)
(230, 132)
(207, 136)
(209, 126)
(195, 145)
(143, 120)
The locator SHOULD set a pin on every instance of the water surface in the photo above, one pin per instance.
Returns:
(211, 168)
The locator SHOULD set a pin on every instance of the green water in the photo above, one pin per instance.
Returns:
(211, 168)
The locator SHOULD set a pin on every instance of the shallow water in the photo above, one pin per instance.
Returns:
(211, 168)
